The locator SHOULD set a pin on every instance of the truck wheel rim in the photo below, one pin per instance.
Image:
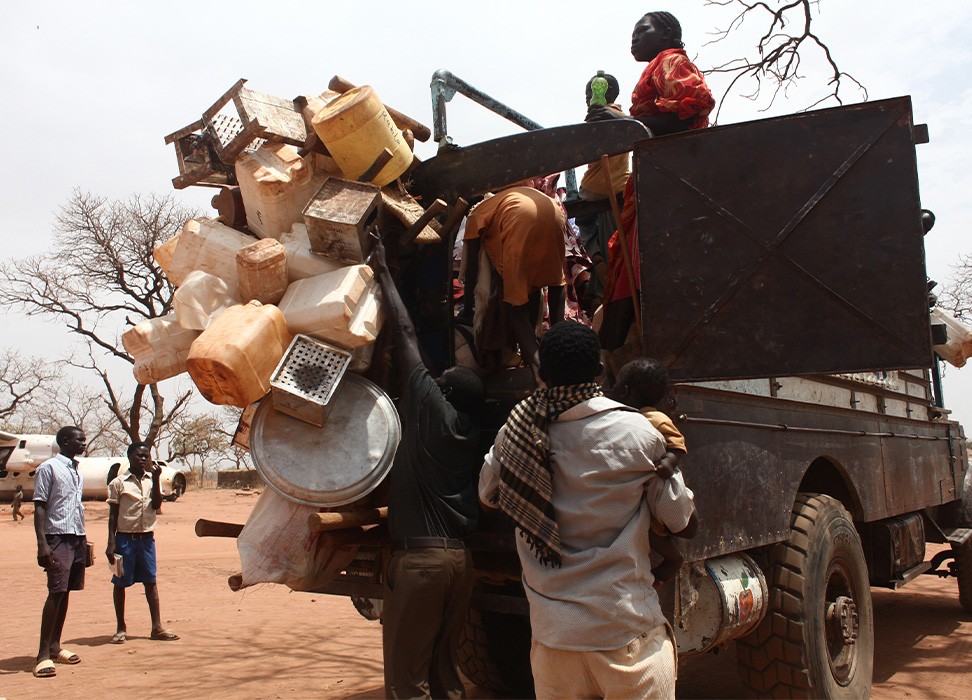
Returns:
(841, 622)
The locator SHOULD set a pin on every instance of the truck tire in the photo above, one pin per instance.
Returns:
(817, 639)
(963, 571)
(494, 652)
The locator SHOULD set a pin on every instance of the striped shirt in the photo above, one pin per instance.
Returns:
(58, 484)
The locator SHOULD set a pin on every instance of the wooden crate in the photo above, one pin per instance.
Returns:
(339, 218)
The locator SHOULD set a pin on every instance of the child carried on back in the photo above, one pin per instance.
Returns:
(643, 384)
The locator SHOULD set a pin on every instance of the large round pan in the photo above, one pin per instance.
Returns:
(333, 465)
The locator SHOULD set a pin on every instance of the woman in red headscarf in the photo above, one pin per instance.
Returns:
(670, 96)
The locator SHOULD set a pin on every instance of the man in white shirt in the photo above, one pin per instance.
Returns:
(61, 543)
(576, 473)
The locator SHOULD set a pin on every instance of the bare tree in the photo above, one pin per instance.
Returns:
(785, 40)
(23, 380)
(71, 403)
(230, 419)
(99, 279)
(956, 295)
(199, 439)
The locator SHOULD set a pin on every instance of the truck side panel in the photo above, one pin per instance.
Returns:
(748, 456)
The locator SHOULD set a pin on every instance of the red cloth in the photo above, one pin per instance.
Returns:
(669, 83)
(672, 83)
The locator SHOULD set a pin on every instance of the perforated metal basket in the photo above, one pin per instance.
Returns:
(307, 377)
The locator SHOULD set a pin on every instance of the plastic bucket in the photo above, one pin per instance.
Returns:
(356, 128)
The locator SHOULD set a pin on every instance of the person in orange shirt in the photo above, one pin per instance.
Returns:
(521, 231)
(671, 96)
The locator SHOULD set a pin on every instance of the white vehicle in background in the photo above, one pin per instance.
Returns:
(20, 455)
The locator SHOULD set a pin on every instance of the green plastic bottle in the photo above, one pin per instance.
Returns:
(599, 88)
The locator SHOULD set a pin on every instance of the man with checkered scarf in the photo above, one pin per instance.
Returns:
(575, 472)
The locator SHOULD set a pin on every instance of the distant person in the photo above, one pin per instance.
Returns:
(62, 547)
(432, 505)
(134, 498)
(575, 472)
(18, 498)
(643, 384)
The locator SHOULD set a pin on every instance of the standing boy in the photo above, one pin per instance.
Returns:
(61, 543)
(133, 498)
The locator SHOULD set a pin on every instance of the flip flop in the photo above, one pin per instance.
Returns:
(45, 669)
(65, 656)
(119, 638)
(165, 636)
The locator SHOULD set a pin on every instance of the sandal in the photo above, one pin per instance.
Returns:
(45, 669)
(165, 636)
(65, 656)
(119, 638)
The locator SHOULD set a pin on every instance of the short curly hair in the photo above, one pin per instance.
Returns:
(614, 88)
(66, 432)
(137, 445)
(646, 378)
(466, 390)
(569, 354)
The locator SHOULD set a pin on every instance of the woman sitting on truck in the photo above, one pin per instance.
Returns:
(670, 96)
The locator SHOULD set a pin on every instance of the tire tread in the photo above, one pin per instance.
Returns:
(771, 659)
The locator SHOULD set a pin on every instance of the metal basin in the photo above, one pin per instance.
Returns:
(332, 465)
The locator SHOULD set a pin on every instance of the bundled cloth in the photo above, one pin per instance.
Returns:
(277, 546)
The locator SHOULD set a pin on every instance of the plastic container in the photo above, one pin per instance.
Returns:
(340, 307)
(276, 183)
(232, 360)
(303, 262)
(160, 347)
(207, 245)
(356, 128)
(262, 270)
(958, 348)
(163, 254)
(201, 298)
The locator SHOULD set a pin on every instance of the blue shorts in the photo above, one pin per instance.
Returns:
(138, 559)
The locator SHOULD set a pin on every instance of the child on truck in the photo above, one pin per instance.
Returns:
(643, 384)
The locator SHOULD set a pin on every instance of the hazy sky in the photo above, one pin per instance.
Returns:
(91, 88)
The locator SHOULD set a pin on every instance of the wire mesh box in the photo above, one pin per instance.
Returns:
(307, 377)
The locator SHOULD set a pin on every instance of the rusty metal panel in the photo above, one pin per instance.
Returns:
(784, 246)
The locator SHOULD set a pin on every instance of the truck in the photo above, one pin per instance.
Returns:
(783, 284)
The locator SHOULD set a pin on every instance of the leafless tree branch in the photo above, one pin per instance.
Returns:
(22, 380)
(99, 279)
(787, 39)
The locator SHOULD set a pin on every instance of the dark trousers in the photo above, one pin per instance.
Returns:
(427, 594)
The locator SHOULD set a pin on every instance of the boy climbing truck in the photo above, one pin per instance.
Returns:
(783, 285)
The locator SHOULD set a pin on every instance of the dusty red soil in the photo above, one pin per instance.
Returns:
(267, 642)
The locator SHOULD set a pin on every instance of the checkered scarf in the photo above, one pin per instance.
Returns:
(526, 483)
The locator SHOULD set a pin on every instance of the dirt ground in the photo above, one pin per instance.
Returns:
(267, 642)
